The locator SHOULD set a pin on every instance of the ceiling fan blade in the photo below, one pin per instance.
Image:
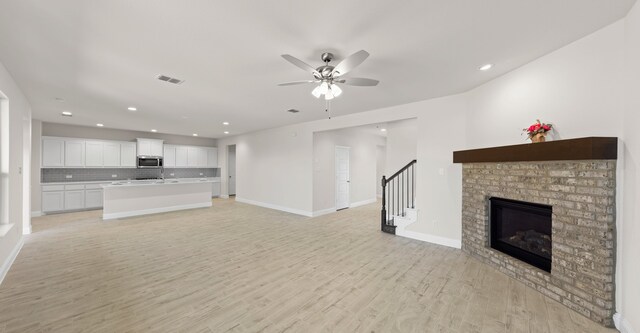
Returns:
(358, 81)
(301, 64)
(296, 82)
(350, 63)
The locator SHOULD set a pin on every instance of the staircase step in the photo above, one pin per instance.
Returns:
(411, 213)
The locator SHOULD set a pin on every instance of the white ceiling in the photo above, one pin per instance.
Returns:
(102, 56)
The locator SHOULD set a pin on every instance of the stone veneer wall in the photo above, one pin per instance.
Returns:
(582, 194)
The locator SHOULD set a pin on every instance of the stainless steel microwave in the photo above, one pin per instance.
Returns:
(149, 162)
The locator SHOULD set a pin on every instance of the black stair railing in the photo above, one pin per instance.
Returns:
(398, 194)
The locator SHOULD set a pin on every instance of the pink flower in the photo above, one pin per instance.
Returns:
(546, 127)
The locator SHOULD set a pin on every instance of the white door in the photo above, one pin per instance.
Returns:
(111, 154)
(94, 153)
(342, 177)
(52, 153)
(232, 170)
(74, 153)
(128, 154)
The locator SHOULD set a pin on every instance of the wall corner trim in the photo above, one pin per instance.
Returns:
(431, 239)
(622, 324)
(6, 265)
(275, 207)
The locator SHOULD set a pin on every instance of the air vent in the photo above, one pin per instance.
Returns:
(293, 110)
(169, 79)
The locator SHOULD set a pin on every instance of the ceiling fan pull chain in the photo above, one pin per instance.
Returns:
(327, 107)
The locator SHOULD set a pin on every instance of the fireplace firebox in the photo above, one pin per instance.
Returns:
(522, 230)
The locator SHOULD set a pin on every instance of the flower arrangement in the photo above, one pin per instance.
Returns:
(538, 131)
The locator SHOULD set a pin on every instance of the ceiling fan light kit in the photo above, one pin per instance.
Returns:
(328, 75)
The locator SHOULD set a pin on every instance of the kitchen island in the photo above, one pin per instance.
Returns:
(133, 198)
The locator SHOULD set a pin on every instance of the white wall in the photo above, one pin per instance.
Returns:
(578, 88)
(36, 146)
(19, 112)
(402, 144)
(362, 160)
(381, 162)
(628, 273)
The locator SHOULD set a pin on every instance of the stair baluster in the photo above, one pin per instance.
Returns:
(398, 194)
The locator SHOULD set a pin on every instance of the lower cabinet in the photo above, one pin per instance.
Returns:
(60, 198)
(53, 201)
(73, 199)
(215, 190)
(93, 198)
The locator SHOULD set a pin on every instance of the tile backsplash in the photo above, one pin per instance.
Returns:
(56, 175)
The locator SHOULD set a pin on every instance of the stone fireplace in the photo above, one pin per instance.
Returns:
(544, 214)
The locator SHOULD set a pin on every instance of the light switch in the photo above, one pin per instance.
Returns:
(68, 176)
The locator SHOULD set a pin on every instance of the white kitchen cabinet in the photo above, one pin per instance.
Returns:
(74, 153)
(212, 157)
(52, 201)
(169, 156)
(128, 154)
(150, 147)
(216, 190)
(93, 198)
(94, 153)
(111, 154)
(73, 199)
(182, 155)
(202, 157)
(52, 152)
(192, 157)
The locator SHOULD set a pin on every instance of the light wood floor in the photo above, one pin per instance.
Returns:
(241, 268)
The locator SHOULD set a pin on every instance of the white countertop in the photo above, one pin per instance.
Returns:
(175, 181)
(210, 179)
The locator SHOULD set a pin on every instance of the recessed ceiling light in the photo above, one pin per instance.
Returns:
(383, 130)
(225, 123)
(154, 130)
(195, 134)
(485, 67)
(132, 108)
(67, 113)
(100, 125)
(226, 132)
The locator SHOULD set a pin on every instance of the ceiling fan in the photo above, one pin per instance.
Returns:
(328, 75)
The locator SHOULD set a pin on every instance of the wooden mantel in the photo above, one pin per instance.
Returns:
(591, 148)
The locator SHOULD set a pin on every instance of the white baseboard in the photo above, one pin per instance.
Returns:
(224, 196)
(622, 324)
(36, 214)
(276, 207)
(6, 265)
(324, 211)
(155, 210)
(362, 203)
(27, 230)
(430, 238)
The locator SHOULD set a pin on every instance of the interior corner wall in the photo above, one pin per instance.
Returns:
(363, 155)
(36, 146)
(19, 111)
(628, 272)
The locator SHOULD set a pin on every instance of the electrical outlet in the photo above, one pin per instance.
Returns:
(441, 171)
(114, 176)
(201, 174)
(68, 176)
(172, 174)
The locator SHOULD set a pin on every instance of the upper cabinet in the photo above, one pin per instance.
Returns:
(212, 157)
(128, 154)
(150, 147)
(52, 152)
(78, 153)
(94, 153)
(74, 153)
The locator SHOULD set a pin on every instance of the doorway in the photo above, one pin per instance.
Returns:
(343, 178)
(231, 166)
